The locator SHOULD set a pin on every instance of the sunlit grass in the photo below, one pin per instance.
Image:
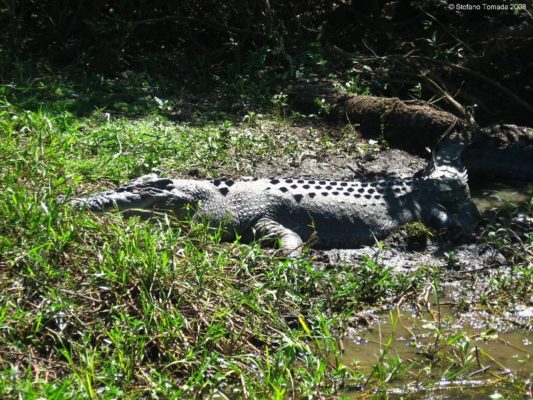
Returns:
(98, 306)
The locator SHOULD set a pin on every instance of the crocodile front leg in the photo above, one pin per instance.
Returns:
(290, 243)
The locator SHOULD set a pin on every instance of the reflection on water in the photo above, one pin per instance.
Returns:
(465, 362)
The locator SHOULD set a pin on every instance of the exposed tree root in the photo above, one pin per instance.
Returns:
(410, 126)
(498, 151)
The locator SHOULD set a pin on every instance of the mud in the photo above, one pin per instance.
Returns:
(466, 257)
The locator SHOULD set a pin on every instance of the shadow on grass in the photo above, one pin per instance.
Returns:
(130, 94)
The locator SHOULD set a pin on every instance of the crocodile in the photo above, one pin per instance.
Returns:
(293, 211)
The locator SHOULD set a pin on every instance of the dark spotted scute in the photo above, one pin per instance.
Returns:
(229, 182)
(306, 186)
(298, 197)
(283, 189)
(312, 194)
(324, 193)
(274, 181)
(217, 182)
(294, 186)
(224, 191)
(159, 183)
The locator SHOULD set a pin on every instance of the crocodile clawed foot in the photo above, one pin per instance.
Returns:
(291, 245)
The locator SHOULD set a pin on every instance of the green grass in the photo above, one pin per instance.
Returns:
(98, 306)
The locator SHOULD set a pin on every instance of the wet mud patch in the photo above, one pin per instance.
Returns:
(466, 257)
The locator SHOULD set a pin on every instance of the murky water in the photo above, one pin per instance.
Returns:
(467, 363)
(489, 195)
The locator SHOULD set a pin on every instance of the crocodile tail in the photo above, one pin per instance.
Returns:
(457, 172)
(446, 160)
